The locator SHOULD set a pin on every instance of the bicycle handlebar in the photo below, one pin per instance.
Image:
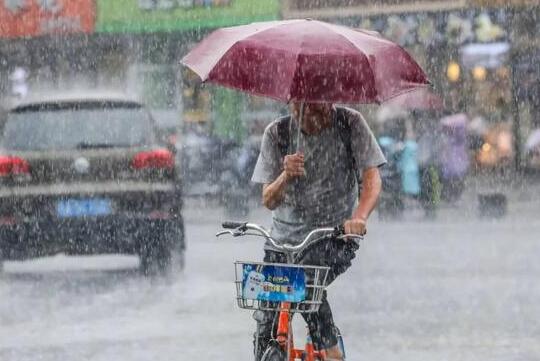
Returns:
(240, 229)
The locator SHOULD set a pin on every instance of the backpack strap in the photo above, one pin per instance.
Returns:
(344, 131)
(283, 136)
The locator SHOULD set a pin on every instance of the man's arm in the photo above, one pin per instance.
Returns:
(273, 193)
(371, 188)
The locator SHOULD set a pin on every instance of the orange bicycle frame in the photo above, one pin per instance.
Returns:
(285, 338)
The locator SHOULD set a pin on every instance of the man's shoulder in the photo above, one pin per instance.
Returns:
(349, 111)
(272, 125)
(352, 116)
(272, 128)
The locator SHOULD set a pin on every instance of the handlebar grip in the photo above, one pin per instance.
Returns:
(233, 225)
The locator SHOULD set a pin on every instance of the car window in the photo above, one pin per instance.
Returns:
(77, 128)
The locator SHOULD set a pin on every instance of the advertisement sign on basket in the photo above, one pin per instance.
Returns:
(273, 283)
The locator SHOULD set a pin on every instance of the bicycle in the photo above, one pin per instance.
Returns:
(286, 288)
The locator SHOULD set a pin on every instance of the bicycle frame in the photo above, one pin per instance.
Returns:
(284, 336)
(285, 339)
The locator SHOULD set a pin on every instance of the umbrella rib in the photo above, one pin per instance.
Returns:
(236, 41)
(296, 68)
(297, 56)
(340, 30)
(405, 91)
(242, 37)
(340, 33)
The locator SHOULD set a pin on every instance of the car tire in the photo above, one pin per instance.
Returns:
(179, 246)
(155, 257)
(179, 260)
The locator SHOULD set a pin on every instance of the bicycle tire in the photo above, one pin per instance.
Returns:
(274, 353)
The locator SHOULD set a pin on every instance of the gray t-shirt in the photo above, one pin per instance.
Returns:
(328, 193)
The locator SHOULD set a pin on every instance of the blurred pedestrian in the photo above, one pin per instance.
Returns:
(410, 178)
(453, 156)
(392, 130)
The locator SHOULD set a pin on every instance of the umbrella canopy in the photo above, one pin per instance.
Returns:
(306, 60)
(419, 99)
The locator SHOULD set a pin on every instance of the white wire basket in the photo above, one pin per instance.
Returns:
(302, 297)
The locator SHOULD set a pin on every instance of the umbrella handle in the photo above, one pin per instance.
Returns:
(299, 148)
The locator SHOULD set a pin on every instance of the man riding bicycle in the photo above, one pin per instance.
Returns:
(317, 186)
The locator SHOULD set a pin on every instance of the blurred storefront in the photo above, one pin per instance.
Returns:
(131, 45)
(481, 55)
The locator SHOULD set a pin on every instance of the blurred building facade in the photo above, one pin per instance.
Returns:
(134, 46)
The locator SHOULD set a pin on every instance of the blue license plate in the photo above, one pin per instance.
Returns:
(83, 208)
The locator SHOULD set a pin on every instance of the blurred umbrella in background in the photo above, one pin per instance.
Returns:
(420, 99)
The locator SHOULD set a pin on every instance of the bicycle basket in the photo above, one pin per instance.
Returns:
(265, 286)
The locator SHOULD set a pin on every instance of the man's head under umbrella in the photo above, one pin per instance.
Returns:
(315, 117)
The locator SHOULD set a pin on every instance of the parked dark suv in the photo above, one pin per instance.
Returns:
(86, 174)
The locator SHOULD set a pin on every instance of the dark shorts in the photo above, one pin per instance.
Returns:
(330, 252)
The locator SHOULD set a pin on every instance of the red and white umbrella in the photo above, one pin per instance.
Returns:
(306, 61)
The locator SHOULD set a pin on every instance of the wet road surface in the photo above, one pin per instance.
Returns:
(458, 288)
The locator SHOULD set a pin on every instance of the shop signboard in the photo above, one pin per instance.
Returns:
(346, 8)
(321, 4)
(27, 18)
(502, 3)
(178, 15)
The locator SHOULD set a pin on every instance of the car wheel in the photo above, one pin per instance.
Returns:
(176, 237)
(179, 260)
(155, 257)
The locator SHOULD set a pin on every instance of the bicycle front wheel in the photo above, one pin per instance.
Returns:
(274, 353)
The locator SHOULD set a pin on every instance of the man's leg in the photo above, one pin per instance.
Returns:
(262, 336)
(336, 254)
(323, 331)
(334, 354)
